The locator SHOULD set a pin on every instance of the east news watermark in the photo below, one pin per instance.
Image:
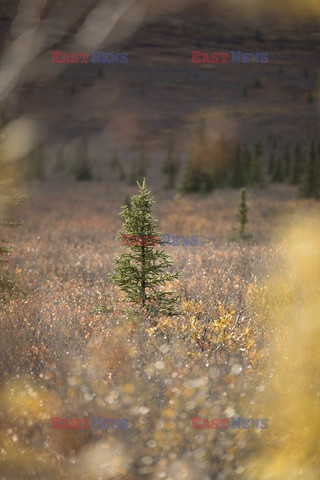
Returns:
(58, 423)
(163, 240)
(235, 423)
(84, 57)
(197, 56)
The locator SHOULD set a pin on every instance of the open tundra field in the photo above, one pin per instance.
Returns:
(195, 360)
(63, 357)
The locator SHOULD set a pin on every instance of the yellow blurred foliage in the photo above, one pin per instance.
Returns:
(21, 398)
(291, 401)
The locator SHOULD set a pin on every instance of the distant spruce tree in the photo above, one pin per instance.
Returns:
(286, 162)
(9, 200)
(171, 166)
(243, 215)
(82, 168)
(271, 164)
(278, 171)
(141, 273)
(310, 187)
(256, 172)
(238, 174)
(296, 167)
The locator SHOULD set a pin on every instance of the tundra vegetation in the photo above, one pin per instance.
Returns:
(71, 347)
(145, 334)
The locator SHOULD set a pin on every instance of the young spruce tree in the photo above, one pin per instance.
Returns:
(141, 272)
(243, 215)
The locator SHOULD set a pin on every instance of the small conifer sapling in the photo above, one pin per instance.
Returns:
(141, 273)
(243, 215)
